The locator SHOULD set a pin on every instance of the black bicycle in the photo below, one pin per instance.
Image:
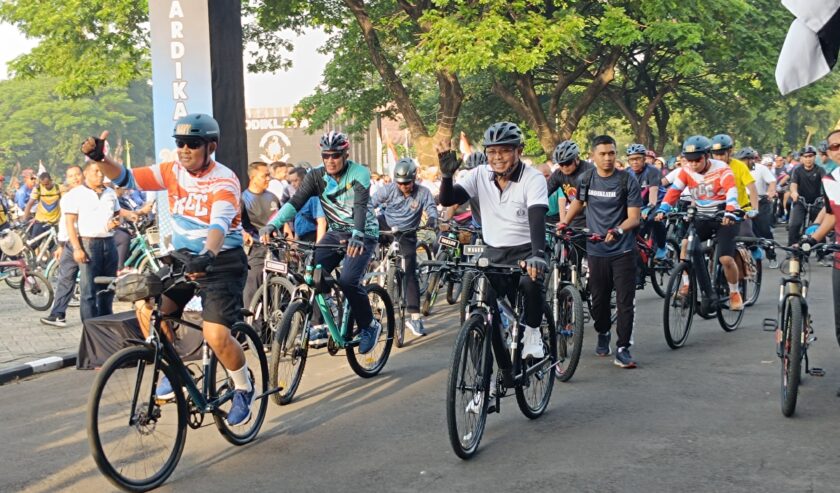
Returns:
(136, 438)
(493, 329)
(396, 281)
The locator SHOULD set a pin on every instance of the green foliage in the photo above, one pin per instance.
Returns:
(85, 45)
(40, 124)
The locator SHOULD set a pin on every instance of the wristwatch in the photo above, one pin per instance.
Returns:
(620, 231)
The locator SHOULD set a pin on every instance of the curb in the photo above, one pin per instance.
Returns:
(38, 366)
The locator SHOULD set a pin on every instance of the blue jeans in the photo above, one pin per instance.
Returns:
(352, 273)
(68, 271)
(102, 261)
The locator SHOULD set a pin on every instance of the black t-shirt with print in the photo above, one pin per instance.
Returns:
(606, 208)
(809, 182)
(569, 184)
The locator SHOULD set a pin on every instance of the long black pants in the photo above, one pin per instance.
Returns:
(619, 273)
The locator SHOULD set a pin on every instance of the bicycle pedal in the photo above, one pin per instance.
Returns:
(816, 372)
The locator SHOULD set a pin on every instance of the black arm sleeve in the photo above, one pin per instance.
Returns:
(451, 194)
(536, 220)
(308, 188)
(360, 204)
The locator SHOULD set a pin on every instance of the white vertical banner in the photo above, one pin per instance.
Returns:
(181, 78)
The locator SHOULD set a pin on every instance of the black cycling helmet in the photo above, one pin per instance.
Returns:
(634, 149)
(405, 171)
(696, 146)
(565, 152)
(475, 159)
(722, 142)
(746, 153)
(334, 141)
(808, 150)
(503, 134)
(197, 125)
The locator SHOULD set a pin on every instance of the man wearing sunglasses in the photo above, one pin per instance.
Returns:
(567, 178)
(204, 198)
(712, 186)
(805, 183)
(343, 186)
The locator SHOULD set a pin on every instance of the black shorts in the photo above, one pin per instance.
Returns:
(725, 235)
(221, 290)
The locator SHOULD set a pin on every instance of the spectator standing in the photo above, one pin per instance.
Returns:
(258, 205)
(279, 185)
(68, 269)
(91, 215)
(25, 190)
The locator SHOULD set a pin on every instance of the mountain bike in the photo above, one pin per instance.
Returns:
(449, 248)
(319, 291)
(693, 273)
(275, 293)
(493, 330)
(396, 280)
(137, 439)
(658, 270)
(36, 289)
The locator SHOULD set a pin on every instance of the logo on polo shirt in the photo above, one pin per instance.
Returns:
(414, 204)
(520, 212)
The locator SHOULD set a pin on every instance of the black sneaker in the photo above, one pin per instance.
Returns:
(603, 347)
(54, 321)
(623, 358)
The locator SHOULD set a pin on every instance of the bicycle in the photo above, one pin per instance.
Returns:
(291, 343)
(449, 248)
(493, 330)
(657, 270)
(137, 439)
(396, 281)
(144, 247)
(793, 324)
(35, 288)
(274, 294)
(694, 272)
(12, 274)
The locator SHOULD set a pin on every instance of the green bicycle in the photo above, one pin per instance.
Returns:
(318, 290)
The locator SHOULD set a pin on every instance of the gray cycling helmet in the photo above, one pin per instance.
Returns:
(475, 159)
(503, 134)
(405, 171)
(722, 142)
(696, 146)
(634, 149)
(197, 125)
(334, 141)
(565, 152)
(746, 153)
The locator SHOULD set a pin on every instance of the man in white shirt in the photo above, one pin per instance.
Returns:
(279, 185)
(68, 269)
(765, 184)
(90, 217)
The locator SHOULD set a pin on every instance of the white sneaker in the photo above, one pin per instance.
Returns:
(532, 344)
(474, 407)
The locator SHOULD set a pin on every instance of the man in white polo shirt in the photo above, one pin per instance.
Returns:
(514, 202)
(90, 218)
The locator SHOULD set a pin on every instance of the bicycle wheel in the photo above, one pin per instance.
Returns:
(534, 393)
(394, 286)
(288, 353)
(468, 386)
(371, 363)
(660, 270)
(268, 306)
(678, 311)
(753, 285)
(424, 254)
(466, 294)
(729, 320)
(791, 350)
(569, 332)
(221, 383)
(453, 291)
(431, 293)
(136, 449)
(37, 291)
(15, 274)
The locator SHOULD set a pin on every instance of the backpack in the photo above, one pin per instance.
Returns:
(586, 183)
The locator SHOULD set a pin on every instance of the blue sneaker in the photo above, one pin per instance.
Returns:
(164, 389)
(603, 347)
(623, 358)
(369, 336)
(240, 411)
(661, 253)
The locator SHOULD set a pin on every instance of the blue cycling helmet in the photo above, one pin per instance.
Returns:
(696, 147)
(722, 142)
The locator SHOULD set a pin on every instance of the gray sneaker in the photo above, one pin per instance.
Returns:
(369, 336)
(416, 327)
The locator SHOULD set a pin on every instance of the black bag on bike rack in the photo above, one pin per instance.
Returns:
(135, 287)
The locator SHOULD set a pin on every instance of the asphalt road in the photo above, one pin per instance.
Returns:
(703, 418)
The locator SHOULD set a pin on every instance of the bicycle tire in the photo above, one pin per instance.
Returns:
(791, 341)
(221, 382)
(35, 284)
(14, 280)
(534, 408)
(393, 285)
(424, 253)
(453, 291)
(754, 287)
(676, 338)
(288, 351)
(126, 364)
(728, 322)
(279, 292)
(430, 295)
(466, 295)
(660, 271)
(571, 313)
(472, 335)
(382, 308)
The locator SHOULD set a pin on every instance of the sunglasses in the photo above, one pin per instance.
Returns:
(191, 143)
(567, 163)
(331, 155)
(834, 147)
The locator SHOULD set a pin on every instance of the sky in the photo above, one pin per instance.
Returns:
(261, 90)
